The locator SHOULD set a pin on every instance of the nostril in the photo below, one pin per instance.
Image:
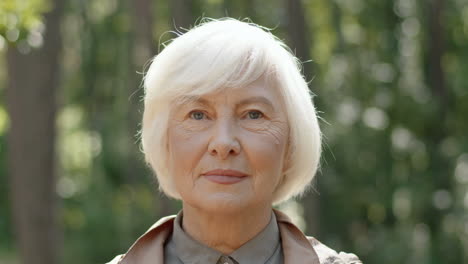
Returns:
(223, 152)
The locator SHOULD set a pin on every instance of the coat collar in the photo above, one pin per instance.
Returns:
(149, 248)
(296, 246)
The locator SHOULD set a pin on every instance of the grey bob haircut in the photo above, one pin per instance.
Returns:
(220, 54)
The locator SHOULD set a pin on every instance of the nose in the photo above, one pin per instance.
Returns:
(224, 141)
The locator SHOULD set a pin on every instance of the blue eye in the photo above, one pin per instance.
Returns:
(255, 114)
(197, 115)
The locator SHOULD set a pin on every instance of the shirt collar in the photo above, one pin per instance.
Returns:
(260, 248)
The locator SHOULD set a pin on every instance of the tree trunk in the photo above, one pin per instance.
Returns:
(182, 16)
(436, 82)
(30, 96)
(436, 51)
(141, 49)
(299, 41)
(144, 48)
(299, 35)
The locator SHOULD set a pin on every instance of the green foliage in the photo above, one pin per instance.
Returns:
(393, 187)
(22, 19)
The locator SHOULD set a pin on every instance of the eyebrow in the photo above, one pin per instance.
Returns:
(247, 101)
(256, 99)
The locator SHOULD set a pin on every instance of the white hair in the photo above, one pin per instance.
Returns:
(225, 54)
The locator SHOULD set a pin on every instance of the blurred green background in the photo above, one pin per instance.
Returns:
(390, 78)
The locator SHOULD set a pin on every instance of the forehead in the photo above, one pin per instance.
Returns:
(259, 91)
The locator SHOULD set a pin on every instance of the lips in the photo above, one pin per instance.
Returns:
(224, 176)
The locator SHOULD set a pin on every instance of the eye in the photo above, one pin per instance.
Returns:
(255, 114)
(197, 115)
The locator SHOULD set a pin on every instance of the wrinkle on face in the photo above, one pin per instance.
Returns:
(187, 129)
(273, 122)
(262, 145)
(276, 129)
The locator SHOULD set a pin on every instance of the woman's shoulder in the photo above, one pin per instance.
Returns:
(149, 245)
(116, 259)
(295, 238)
(329, 256)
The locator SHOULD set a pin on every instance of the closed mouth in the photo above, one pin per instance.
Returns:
(225, 176)
(221, 172)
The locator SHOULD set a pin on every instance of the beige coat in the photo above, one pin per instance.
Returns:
(297, 248)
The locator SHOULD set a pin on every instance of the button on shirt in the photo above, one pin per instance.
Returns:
(264, 248)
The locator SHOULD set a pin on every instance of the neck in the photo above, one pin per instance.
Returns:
(224, 232)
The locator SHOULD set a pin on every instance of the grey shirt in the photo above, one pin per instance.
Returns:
(264, 248)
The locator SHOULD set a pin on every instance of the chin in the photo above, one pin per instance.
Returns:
(222, 202)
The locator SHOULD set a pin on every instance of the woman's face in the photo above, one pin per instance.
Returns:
(227, 149)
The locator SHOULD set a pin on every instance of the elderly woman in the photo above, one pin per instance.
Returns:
(230, 129)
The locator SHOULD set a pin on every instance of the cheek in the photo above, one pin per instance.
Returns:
(185, 147)
(185, 135)
(266, 157)
(266, 148)
(273, 131)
